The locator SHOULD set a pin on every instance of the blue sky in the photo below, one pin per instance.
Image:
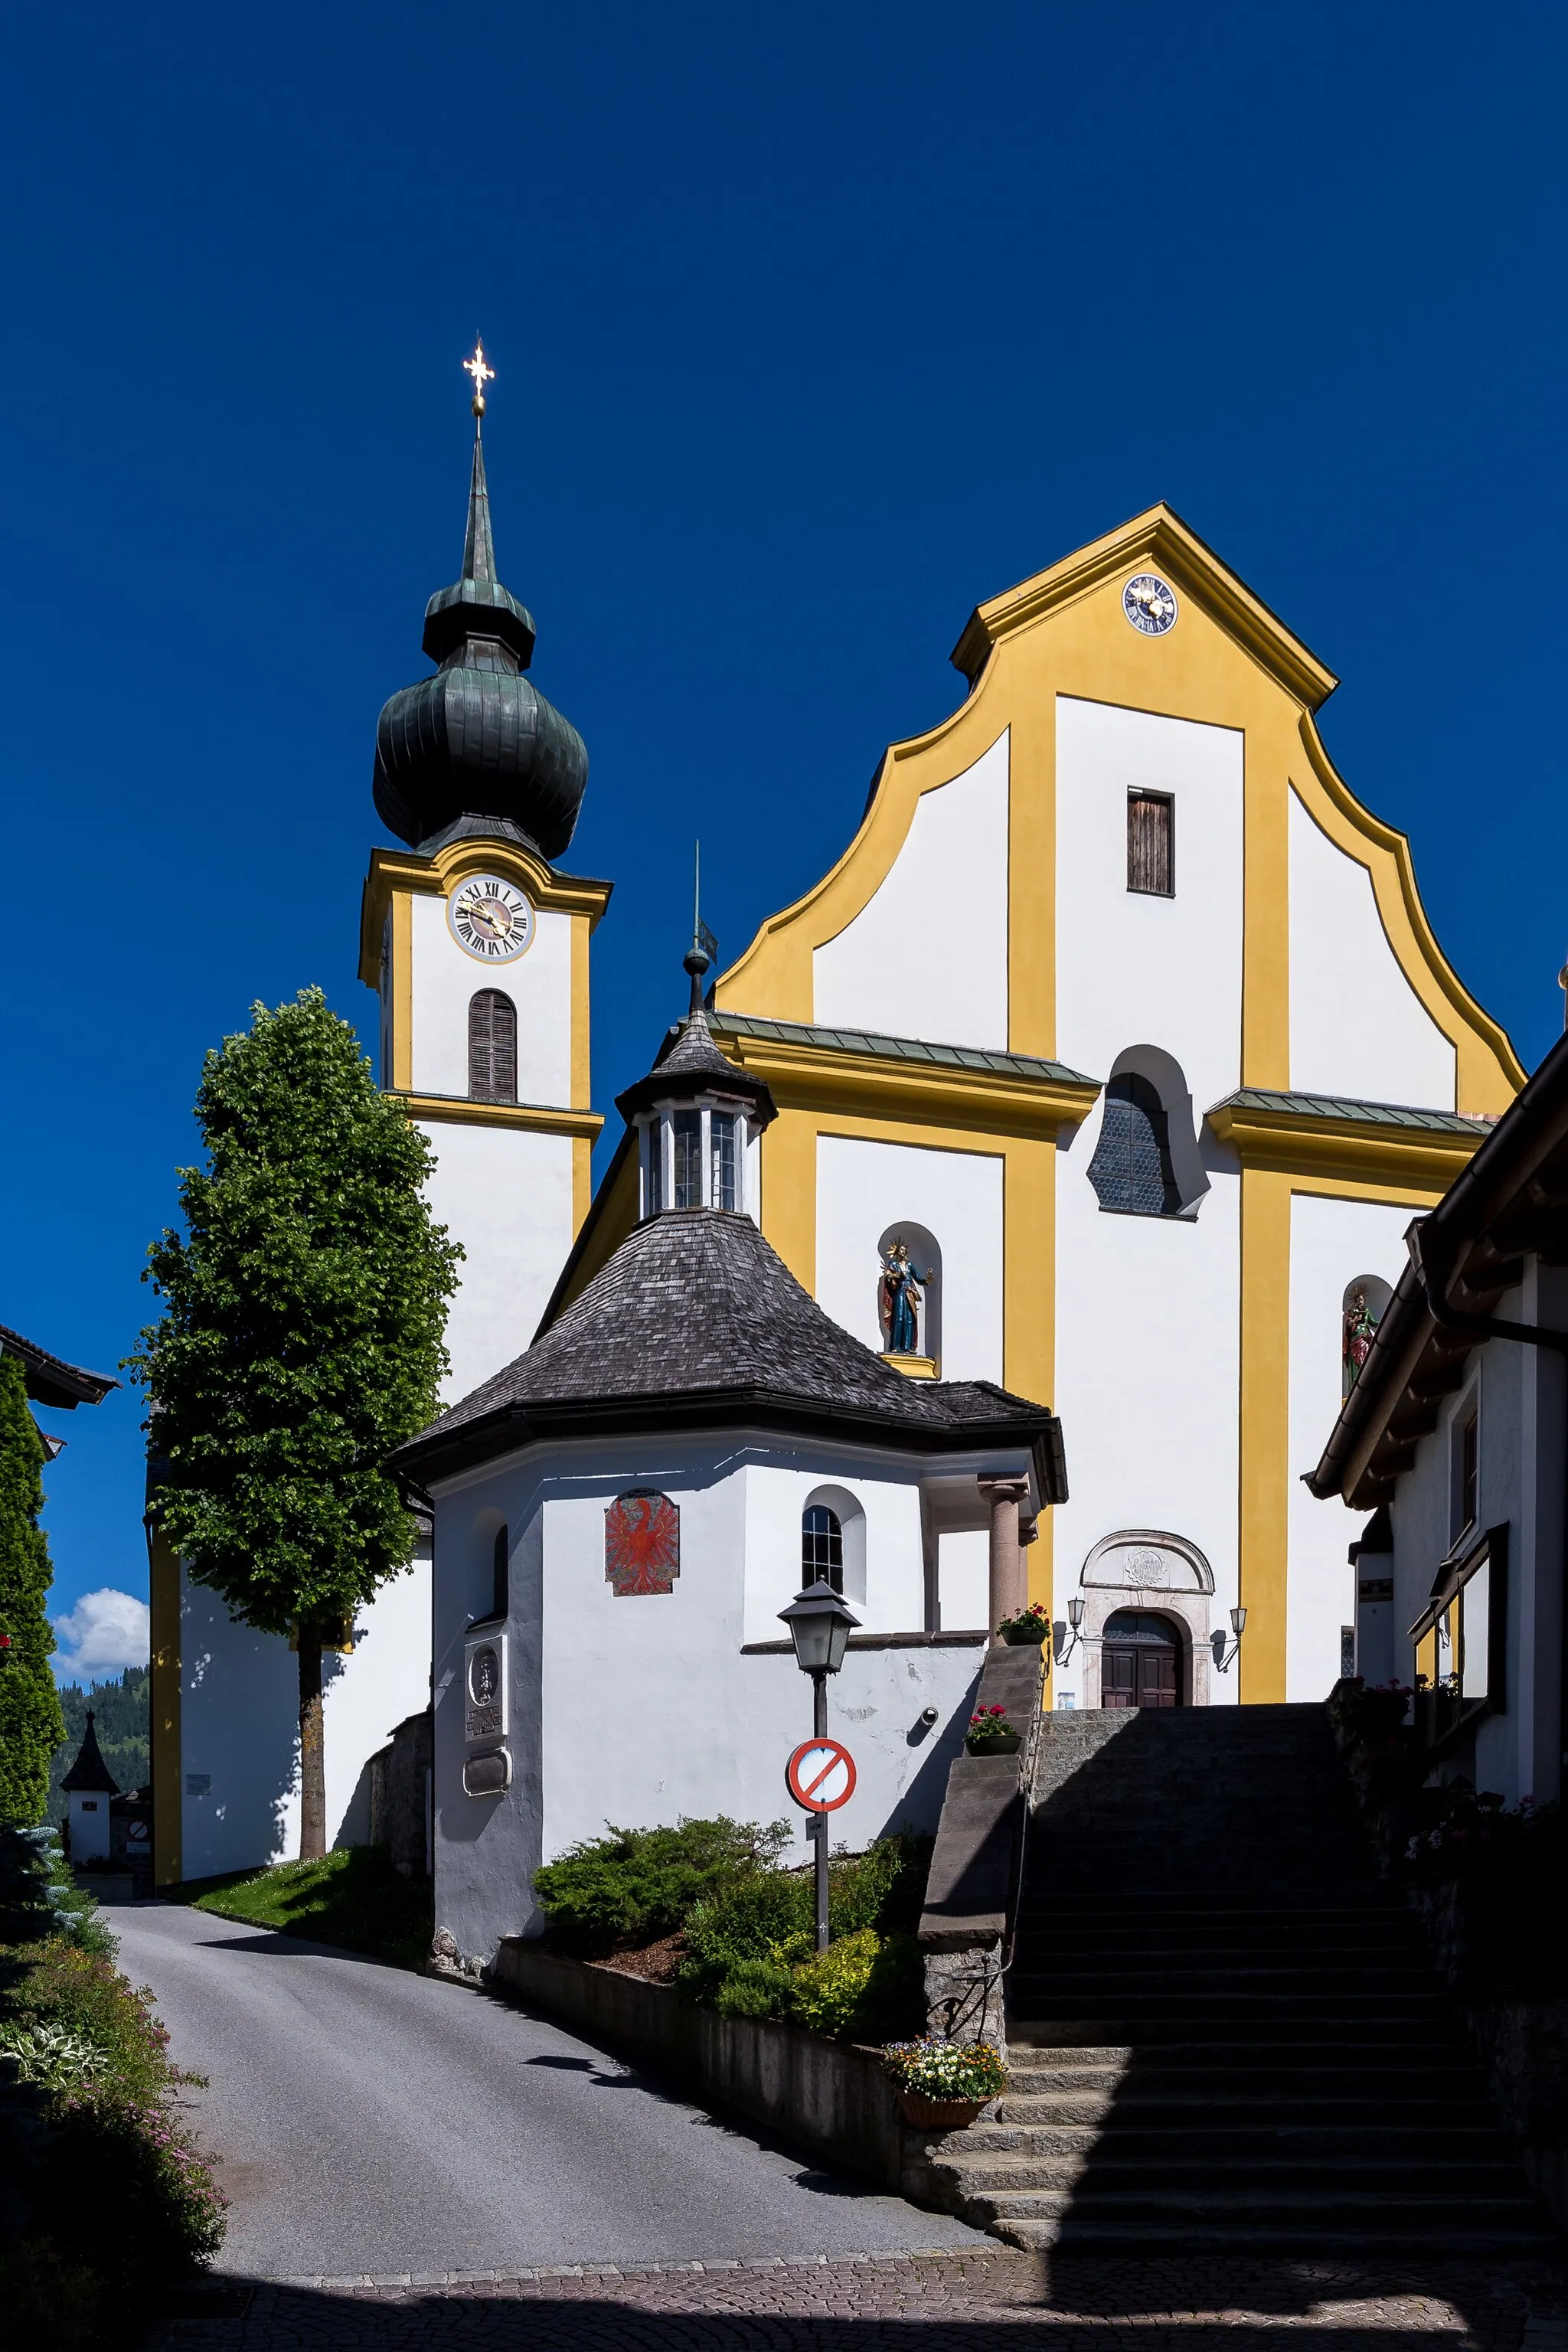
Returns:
(813, 328)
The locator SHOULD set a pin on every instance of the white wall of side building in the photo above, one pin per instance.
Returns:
(505, 1193)
(446, 979)
(239, 1701)
(862, 1188)
(640, 1709)
(927, 956)
(1357, 1026)
(1332, 1242)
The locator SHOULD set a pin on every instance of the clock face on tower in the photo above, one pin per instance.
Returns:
(1150, 605)
(490, 919)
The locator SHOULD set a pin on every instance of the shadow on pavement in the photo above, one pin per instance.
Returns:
(952, 2302)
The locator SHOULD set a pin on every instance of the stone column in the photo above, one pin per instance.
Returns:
(1009, 1579)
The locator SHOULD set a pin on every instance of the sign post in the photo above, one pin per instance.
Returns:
(820, 1777)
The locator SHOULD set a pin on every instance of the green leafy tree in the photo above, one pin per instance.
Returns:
(301, 1341)
(31, 1726)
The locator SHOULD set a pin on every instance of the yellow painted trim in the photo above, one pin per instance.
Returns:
(614, 1214)
(531, 1118)
(402, 988)
(913, 1368)
(394, 871)
(1489, 1073)
(1159, 537)
(1298, 1143)
(582, 1182)
(1029, 1309)
(1265, 915)
(167, 1766)
(822, 1078)
(789, 1194)
(1265, 1390)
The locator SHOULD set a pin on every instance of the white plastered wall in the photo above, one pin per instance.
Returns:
(506, 1194)
(640, 1709)
(1132, 969)
(1148, 1365)
(927, 956)
(775, 1496)
(239, 1723)
(444, 980)
(1357, 1026)
(1330, 1243)
(1148, 1375)
(862, 1188)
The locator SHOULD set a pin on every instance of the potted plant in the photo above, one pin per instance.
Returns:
(991, 1733)
(1027, 1630)
(944, 2085)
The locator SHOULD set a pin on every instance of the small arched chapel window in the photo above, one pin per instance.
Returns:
(492, 1047)
(822, 1546)
(1131, 1169)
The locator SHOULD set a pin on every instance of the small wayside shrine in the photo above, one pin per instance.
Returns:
(92, 1788)
(621, 1515)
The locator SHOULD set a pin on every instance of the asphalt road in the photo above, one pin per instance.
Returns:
(367, 2121)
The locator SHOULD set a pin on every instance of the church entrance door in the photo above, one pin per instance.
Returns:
(1139, 1663)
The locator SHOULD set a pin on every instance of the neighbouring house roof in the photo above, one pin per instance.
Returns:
(1348, 1107)
(1511, 1201)
(901, 1049)
(696, 1322)
(89, 1772)
(50, 1380)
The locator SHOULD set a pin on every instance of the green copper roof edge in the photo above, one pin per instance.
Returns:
(903, 1049)
(1348, 1107)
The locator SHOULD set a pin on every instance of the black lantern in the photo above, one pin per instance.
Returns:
(819, 1626)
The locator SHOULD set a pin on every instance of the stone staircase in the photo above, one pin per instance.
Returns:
(1225, 2030)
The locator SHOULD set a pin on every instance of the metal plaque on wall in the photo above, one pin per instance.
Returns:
(485, 1688)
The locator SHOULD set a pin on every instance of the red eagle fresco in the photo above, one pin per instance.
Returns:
(642, 1542)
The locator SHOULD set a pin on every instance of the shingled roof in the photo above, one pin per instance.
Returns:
(695, 1322)
(89, 1771)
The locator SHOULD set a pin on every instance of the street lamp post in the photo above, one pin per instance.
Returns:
(819, 1626)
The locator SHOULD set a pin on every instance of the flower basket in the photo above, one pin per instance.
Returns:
(944, 2085)
(990, 1733)
(1030, 1630)
(939, 2115)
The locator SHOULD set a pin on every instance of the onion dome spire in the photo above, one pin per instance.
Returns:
(477, 749)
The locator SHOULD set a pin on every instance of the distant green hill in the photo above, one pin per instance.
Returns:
(123, 1710)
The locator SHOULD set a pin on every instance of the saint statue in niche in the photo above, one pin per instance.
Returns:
(899, 1300)
(1360, 1324)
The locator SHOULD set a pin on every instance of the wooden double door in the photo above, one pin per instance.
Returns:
(1140, 1661)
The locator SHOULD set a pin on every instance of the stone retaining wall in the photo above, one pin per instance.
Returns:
(829, 2097)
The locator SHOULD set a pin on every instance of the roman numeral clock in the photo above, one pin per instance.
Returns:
(492, 918)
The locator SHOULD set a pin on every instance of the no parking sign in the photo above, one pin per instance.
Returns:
(820, 1776)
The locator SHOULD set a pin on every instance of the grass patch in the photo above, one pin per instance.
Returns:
(353, 1897)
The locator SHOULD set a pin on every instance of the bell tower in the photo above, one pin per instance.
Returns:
(476, 947)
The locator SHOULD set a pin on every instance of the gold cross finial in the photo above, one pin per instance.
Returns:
(481, 373)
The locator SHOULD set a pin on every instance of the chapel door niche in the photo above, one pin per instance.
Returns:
(1140, 1661)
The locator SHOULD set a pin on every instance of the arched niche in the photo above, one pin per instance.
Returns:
(851, 1516)
(925, 1256)
(1165, 1074)
(1152, 1571)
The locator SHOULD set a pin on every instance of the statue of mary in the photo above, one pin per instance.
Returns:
(899, 1300)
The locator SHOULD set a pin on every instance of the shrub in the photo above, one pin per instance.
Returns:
(633, 1885)
(862, 1987)
(754, 1988)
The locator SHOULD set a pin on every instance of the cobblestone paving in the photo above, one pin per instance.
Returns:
(923, 2303)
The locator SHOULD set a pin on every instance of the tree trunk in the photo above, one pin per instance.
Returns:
(312, 1764)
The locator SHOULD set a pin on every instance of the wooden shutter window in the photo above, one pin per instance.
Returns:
(492, 1047)
(1151, 843)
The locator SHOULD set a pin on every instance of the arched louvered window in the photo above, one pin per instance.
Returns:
(1131, 1169)
(492, 1047)
(822, 1546)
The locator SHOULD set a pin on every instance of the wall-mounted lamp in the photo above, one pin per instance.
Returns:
(1225, 1659)
(1075, 1619)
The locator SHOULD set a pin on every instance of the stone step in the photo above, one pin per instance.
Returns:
(1208, 2132)
(986, 2170)
(1202, 2108)
(1358, 2244)
(1230, 1979)
(1433, 2218)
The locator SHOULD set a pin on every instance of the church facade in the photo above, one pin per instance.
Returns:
(1109, 1063)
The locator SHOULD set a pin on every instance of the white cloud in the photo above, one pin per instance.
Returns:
(104, 1632)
